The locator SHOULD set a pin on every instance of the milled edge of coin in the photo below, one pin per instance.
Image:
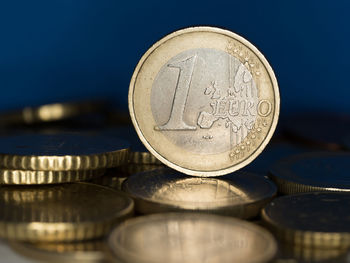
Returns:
(287, 186)
(143, 158)
(270, 254)
(29, 250)
(66, 231)
(245, 210)
(269, 70)
(65, 163)
(297, 237)
(29, 177)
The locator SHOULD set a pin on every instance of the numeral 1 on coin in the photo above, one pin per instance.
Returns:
(176, 121)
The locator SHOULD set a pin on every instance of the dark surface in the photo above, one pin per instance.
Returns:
(319, 129)
(62, 49)
(59, 144)
(323, 212)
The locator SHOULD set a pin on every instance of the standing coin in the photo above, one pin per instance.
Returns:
(204, 101)
(241, 194)
(71, 212)
(191, 238)
(310, 172)
(320, 219)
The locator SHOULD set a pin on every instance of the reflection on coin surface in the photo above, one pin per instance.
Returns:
(69, 212)
(320, 219)
(319, 129)
(240, 194)
(322, 171)
(204, 101)
(114, 178)
(187, 237)
(28, 177)
(88, 251)
(61, 152)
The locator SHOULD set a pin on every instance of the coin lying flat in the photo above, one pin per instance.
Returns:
(187, 237)
(240, 194)
(61, 152)
(51, 112)
(318, 219)
(138, 153)
(319, 129)
(321, 171)
(88, 251)
(204, 101)
(114, 178)
(71, 212)
(28, 177)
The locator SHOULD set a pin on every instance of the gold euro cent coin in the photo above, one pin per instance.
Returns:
(204, 101)
(240, 194)
(61, 213)
(190, 238)
(312, 172)
(318, 219)
(61, 152)
(29, 177)
(93, 251)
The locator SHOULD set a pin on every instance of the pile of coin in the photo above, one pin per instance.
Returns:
(195, 179)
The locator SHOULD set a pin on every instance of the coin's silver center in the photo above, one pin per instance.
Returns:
(204, 100)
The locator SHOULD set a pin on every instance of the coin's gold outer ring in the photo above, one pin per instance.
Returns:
(244, 211)
(327, 240)
(289, 187)
(64, 163)
(21, 177)
(143, 158)
(274, 118)
(62, 232)
(112, 242)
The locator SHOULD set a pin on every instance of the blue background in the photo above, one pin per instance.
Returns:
(70, 49)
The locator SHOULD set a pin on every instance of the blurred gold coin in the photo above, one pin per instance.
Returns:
(61, 152)
(51, 112)
(320, 219)
(204, 101)
(28, 177)
(240, 194)
(59, 213)
(88, 251)
(310, 172)
(114, 178)
(192, 238)
(138, 153)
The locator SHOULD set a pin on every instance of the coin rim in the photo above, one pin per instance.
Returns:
(272, 77)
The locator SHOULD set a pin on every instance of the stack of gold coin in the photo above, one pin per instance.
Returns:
(312, 226)
(57, 158)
